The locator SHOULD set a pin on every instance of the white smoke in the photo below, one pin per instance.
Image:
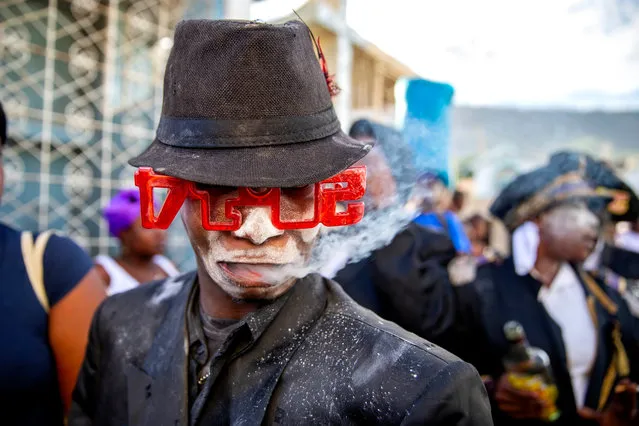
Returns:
(338, 246)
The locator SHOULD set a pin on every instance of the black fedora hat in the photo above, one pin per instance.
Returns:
(247, 104)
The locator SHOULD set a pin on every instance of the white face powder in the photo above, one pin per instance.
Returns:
(570, 231)
(257, 261)
(571, 220)
(257, 227)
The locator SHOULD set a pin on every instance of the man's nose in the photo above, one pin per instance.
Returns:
(257, 226)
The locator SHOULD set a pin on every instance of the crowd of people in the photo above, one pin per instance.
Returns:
(433, 326)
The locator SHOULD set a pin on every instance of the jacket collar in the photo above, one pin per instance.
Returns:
(157, 392)
(157, 389)
(256, 322)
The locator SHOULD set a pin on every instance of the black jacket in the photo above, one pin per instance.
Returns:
(407, 283)
(317, 359)
(622, 262)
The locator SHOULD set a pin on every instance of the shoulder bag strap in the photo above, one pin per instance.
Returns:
(33, 255)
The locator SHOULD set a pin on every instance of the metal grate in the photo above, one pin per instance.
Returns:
(82, 88)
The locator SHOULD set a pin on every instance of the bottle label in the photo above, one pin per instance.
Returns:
(545, 391)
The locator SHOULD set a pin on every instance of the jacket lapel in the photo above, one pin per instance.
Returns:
(157, 392)
(520, 297)
(139, 386)
(603, 324)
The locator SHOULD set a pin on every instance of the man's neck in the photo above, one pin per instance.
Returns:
(546, 267)
(218, 304)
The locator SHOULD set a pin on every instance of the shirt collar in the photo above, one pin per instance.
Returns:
(566, 278)
(257, 322)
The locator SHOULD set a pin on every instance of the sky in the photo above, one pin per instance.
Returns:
(578, 53)
(567, 53)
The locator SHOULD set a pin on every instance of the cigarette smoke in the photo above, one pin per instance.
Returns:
(337, 247)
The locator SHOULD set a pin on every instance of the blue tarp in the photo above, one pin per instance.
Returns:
(423, 115)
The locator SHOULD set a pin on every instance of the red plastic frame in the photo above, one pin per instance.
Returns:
(349, 185)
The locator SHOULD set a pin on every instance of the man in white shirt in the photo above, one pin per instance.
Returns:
(583, 325)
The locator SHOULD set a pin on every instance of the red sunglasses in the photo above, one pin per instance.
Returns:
(346, 187)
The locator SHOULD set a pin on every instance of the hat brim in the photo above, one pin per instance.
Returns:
(274, 166)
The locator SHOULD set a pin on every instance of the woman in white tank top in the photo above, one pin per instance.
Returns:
(141, 258)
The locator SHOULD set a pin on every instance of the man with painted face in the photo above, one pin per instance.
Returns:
(250, 145)
(406, 280)
(583, 325)
(612, 261)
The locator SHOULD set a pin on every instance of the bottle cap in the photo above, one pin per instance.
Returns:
(514, 331)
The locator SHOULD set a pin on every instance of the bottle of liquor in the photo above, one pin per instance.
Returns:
(528, 369)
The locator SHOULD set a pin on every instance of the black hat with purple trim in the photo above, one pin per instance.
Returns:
(535, 192)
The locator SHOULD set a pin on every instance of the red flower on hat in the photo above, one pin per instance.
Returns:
(333, 88)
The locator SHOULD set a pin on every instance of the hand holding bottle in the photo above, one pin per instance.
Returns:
(517, 403)
(528, 389)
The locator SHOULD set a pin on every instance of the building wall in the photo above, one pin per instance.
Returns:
(372, 80)
(82, 88)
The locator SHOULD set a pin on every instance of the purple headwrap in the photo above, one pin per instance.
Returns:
(122, 211)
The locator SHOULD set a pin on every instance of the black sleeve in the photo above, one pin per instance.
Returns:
(622, 262)
(481, 314)
(453, 397)
(84, 398)
(412, 277)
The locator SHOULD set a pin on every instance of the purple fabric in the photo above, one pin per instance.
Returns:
(122, 211)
